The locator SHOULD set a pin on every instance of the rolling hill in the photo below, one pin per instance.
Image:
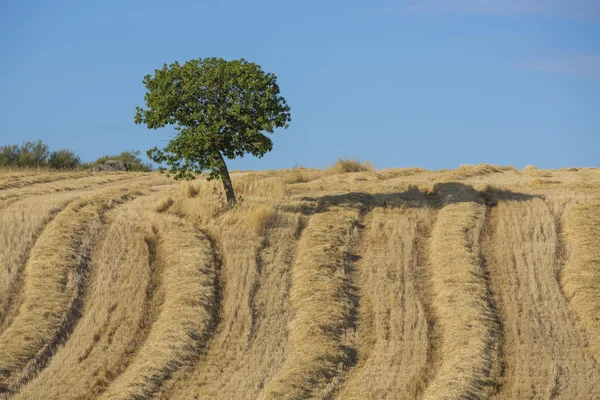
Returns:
(476, 283)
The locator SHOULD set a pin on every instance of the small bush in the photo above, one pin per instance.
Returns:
(131, 158)
(37, 155)
(63, 159)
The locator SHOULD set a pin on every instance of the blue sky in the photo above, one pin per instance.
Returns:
(431, 83)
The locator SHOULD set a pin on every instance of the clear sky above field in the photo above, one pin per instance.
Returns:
(433, 83)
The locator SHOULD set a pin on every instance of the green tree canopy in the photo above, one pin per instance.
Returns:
(220, 109)
(28, 154)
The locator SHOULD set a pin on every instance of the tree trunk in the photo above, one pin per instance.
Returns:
(227, 185)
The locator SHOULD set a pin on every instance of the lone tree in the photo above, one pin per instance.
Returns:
(220, 109)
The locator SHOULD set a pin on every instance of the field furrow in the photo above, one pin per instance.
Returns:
(53, 284)
(476, 283)
(465, 321)
(260, 341)
(545, 353)
(234, 323)
(393, 335)
(108, 334)
(186, 313)
(580, 278)
(79, 186)
(20, 226)
(256, 249)
(322, 302)
(21, 180)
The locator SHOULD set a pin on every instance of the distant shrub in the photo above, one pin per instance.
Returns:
(63, 159)
(33, 154)
(28, 154)
(344, 166)
(9, 155)
(131, 158)
(37, 155)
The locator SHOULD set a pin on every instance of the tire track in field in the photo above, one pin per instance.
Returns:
(545, 354)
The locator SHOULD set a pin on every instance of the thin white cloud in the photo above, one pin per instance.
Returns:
(583, 66)
(588, 9)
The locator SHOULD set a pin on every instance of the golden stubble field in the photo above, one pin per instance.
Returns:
(475, 283)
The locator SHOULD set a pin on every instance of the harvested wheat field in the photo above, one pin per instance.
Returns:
(348, 283)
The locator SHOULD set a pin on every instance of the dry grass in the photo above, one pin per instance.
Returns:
(580, 278)
(265, 187)
(124, 290)
(255, 245)
(9, 179)
(543, 349)
(164, 205)
(52, 282)
(185, 315)
(263, 218)
(79, 186)
(347, 165)
(288, 295)
(401, 172)
(541, 182)
(322, 306)
(302, 175)
(20, 225)
(467, 327)
(469, 171)
(238, 235)
(104, 340)
(393, 329)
